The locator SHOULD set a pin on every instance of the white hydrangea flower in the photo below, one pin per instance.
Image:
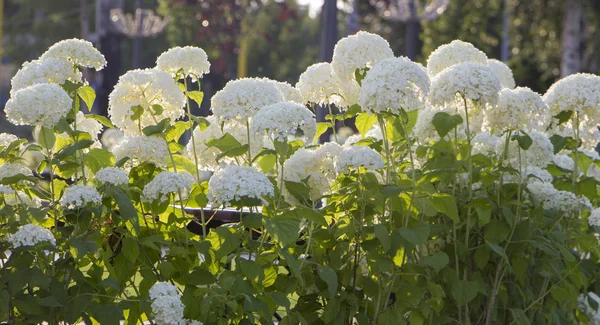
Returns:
(503, 72)
(584, 306)
(453, 53)
(283, 119)
(88, 125)
(318, 84)
(20, 198)
(534, 174)
(6, 190)
(545, 195)
(589, 134)
(142, 149)
(78, 196)
(594, 219)
(517, 109)
(111, 137)
(290, 93)
(539, 154)
(373, 132)
(166, 304)
(41, 104)
(359, 51)
(49, 70)
(474, 81)
(6, 139)
(357, 156)
(578, 93)
(593, 171)
(234, 183)
(81, 52)
(161, 289)
(31, 235)
(192, 60)
(314, 165)
(484, 143)
(564, 162)
(394, 84)
(166, 183)
(242, 98)
(12, 169)
(207, 156)
(112, 175)
(145, 88)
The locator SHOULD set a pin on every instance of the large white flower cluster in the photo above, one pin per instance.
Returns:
(81, 52)
(233, 183)
(359, 51)
(6, 139)
(284, 119)
(594, 218)
(578, 93)
(545, 195)
(145, 88)
(539, 154)
(242, 98)
(78, 196)
(21, 198)
(394, 84)
(453, 53)
(49, 70)
(358, 156)
(142, 149)
(503, 72)
(88, 125)
(31, 235)
(290, 93)
(474, 81)
(166, 304)
(484, 143)
(318, 84)
(13, 169)
(41, 104)
(517, 109)
(192, 60)
(563, 161)
(112, 175)
(166, 183)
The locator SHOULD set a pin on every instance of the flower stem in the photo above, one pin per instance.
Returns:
(332, 123)
(248, 135)
(575, 151)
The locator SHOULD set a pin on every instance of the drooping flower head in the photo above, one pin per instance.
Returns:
(31, 235)
(357, 156)
(394, 84)
(358, 51)
(151, 92)
(503, 72)
(476, 82)
(166, 183)
(142, 149)
(578, 93)
(283, 119)
(519, 108)
(41, 104)
(453, 53)
(242, 98)
(233, 183)
(49, 70)
(318, 84)
(78, 196)
(192, 60)
(112, 175)
(81, 52)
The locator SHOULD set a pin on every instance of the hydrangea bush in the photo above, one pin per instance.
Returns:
(462, 199)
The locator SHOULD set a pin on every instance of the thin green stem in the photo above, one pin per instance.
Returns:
(575, 151)
(248, 135)
(332, 122)
(307, 250)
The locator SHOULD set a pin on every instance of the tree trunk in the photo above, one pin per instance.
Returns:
(504, 44)
(328, 39)
(571, 38)
(412, 39)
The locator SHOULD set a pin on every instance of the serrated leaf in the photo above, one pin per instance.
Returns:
(196, 96)
(102, 119)
(321, 128)
(416, 235)
(46, 138)
(88, 95)
(364, 122)
(464, 291)
(523, 139)
(328, 275)
(446, 204)
(444, 122)
(437, 261)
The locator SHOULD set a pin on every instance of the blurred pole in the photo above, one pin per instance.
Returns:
(137, 40)
(504, 43)
(84, 19)
(571, 38)
(329, 30)
(109, 43)
(1, 36)
(353, 23)
(242, 64)
(412, 32)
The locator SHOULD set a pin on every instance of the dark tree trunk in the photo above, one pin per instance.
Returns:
(329, 37)
(571, 38)
(413, 45)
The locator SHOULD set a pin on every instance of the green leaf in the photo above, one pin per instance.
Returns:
(321, 128)
(382, 233)
(72, 149)
(364, 122)
(464, 291)
(102, 119)
(127, 210)
(563, 116)
(311, 215)
(523, 139)
(437, 261)
(223, 240)
(175, 131)
(292, 263)
(130, 249)
(50, 302)
(88, 95)
(138, 110)
(201, 277)
(224, 143)
(284, 231)
(444, 122)
(519, 317)
(446, 204)
(157, 109)
(416, 235)
(46, 138)
(196, 96)
(158, 128)
(185, 163)
(97, 159)
(201, 121)
(328, 275)
(498, 250)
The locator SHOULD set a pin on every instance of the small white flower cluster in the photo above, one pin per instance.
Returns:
(357, 156)
(503, 72)
(474, 81)
(594, 219)
(290, 94)
(6, 139)
(78, 196)
(6, 190)
(484, 143)
(234, 183)
(192, 60)
(31, 235)
(545, 195)
(539, 154)
(517, 109)
(318, 84)
(283, 119)
(593, 171)
(564, 162)
(166, 183)
(112, 175)
(12, 169)
(453, 53)
(394, 84)
(142, 149)
(81, 52)
(242, 98)
(534, 174)
(145, 88)
(21, 198)
(166, 304)
(578, 93)
(592, 313)
(49, 70)
(358, 51)
(88, 125)
(41, 104)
